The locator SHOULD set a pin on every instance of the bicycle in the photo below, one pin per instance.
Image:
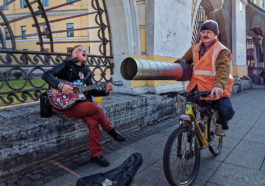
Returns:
(181, 159)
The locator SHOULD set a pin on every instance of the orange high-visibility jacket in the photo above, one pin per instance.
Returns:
(204, 70)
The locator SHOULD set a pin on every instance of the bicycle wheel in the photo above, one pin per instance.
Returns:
(216, 141)
(181, 165)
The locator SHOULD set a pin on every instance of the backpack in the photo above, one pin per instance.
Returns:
(45, 107)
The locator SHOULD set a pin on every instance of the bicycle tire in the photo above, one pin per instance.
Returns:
(167, 165)
(216, 141)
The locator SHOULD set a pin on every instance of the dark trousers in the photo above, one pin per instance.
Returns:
(225, 111)
(93, 116)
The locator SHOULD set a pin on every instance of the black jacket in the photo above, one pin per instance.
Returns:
(69, 71)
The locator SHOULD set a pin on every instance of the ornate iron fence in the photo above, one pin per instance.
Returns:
(200, 18)
(21, 70)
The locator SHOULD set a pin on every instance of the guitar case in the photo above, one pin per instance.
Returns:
(119, 176)
(45, 107)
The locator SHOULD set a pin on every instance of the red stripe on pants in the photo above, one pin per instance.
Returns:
(92, 115)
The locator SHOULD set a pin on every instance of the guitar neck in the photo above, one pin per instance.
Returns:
(99, 86)
(87, 88)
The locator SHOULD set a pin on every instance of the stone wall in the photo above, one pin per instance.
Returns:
(241, 84)
(27, 139)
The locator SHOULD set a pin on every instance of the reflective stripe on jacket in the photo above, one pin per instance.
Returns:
(204, 70)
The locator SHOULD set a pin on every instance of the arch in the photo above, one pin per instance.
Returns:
(199, 18)
(256, 30)
(258, 42)
(124, 28)
(214, 10)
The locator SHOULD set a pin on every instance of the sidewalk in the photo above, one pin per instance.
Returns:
(240, 163)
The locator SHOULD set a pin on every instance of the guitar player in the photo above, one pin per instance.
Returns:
(72, 70)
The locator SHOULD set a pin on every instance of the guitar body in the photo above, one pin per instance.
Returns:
(63, 101)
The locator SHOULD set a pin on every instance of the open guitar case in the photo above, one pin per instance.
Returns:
(119, 176)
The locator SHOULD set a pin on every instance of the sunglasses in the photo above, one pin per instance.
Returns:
(79, 48)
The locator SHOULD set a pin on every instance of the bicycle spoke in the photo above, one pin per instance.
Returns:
(216, 141)
(181, 166)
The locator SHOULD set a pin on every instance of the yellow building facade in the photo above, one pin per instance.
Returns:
(79, 15)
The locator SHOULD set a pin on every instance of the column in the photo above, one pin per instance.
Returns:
(239, 37)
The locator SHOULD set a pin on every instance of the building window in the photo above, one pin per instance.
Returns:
(45, 28)
(5, 5)
(23, 32)
(70, 27)
(45, 31)
(22, 3)
(45, 2)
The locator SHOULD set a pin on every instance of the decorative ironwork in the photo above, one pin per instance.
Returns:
(21, 70)
(200, 18)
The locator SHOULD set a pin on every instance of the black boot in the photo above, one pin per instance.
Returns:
(117, 136)
(100, 160)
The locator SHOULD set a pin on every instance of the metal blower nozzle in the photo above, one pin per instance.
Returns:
(141, 69)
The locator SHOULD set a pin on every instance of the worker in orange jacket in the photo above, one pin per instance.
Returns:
(211, 61)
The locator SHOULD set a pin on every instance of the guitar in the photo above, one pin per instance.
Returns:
(62, 101)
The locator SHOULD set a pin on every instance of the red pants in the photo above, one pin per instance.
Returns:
(92, 115)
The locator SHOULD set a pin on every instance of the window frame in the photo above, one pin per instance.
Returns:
(69, 32)
(23, 32)
(22, 3)
(5, 7)
(45, 2)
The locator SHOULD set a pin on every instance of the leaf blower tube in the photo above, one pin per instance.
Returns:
(141, 69)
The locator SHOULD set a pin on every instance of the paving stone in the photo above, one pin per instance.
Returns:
(212, 184)
(151, 176)
(260, 124)
(198, 182)
(25, 181)
(256, 135)
(238, 132)
(263, 165)
(12, 181)
(35, 176)
(228, 175)
(65, 180)
(229, 141)
(247, 154)
(208, 165)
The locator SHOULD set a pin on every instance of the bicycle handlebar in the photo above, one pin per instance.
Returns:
(188, 94)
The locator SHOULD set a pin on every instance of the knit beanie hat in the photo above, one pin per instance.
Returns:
(210, 25)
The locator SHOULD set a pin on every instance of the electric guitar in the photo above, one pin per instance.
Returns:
(62, 101)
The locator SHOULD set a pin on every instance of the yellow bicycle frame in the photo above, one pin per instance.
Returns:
(190, 113)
